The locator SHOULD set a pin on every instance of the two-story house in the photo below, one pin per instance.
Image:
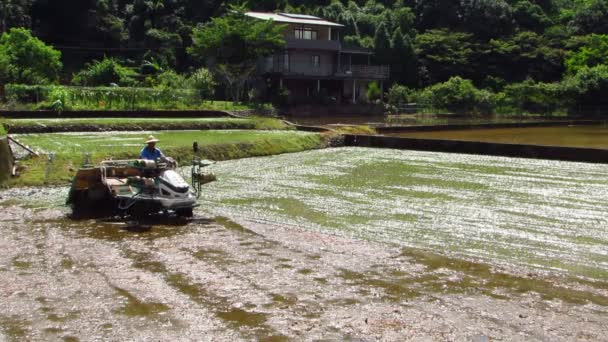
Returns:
(316, 61)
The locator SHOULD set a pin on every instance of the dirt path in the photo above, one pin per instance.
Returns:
(215, 279)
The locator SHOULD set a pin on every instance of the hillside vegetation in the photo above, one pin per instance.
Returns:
(509, 55)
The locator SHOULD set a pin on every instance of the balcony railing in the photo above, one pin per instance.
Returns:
(307, 44)
(376, 72)
(365, 71)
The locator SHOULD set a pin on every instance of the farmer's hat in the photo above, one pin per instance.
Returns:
(152, 139)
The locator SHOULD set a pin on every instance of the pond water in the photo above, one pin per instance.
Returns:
(569, 136)
(412, 120)
(543, 215)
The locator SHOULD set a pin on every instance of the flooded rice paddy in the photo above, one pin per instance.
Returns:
(567, 136)
(338, 244)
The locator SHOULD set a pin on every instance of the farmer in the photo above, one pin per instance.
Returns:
(150, 152)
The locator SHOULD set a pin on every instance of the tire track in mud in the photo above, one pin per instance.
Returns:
(244, 280)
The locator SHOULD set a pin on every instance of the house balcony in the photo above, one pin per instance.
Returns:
(306, 70)
(307, 44)
(376, 72)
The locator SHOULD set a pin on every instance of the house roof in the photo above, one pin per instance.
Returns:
(292, 18)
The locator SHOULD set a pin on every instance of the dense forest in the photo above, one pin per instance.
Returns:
(493, 43)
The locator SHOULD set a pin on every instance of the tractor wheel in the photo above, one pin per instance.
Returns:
(185, 212)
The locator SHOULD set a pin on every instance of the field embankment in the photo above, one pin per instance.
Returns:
(21, 126)
(63, 153)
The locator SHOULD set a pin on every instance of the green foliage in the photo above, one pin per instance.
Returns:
(373, 92)
(590, 17)
(236, 39)
(594, 52)
(529, 97)
(170, 79)
(106, 72)
(456, 94)
(487, 18)
(444, 53)
(399, 94)
(111, 98)
(530, 16)
(234, 43)
(26, 59)
(588, 87)
(202, 80)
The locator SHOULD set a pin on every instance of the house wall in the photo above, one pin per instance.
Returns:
(323, 31)
(300, 63)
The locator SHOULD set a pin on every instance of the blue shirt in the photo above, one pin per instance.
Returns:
(150, 155)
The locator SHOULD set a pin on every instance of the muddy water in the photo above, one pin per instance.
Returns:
(544, 215)
(568, 136)
(342, 244)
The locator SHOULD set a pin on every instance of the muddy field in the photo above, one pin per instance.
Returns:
(315, 264)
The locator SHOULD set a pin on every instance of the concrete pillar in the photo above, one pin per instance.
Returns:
(339, 62)
(354, 90)
(329, 34)
(318, 86)
(281, 83)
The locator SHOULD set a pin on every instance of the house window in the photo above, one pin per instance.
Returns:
(316, 61)
(305, 33)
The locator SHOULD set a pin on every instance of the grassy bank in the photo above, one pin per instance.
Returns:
(69, 149)
(136, 124)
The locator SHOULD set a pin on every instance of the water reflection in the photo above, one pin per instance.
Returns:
(544, 215)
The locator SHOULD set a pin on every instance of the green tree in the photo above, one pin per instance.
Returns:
(26, 59)
(594, 52)
(444, 53)
(526, 54)
(487, 18)
(591, 17)
(530, 16)
(232, 46)
(14, 13)
(588, 87)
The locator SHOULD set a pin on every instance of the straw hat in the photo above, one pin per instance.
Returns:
(152, 139)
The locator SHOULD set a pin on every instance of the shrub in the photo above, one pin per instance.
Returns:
(20, 93)
(456, 94)
(26, 59)
(104, 73)
(127, 98)
(399, 94)
(202, 80)
(529, 97)
(373, 92)
(170, 79)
